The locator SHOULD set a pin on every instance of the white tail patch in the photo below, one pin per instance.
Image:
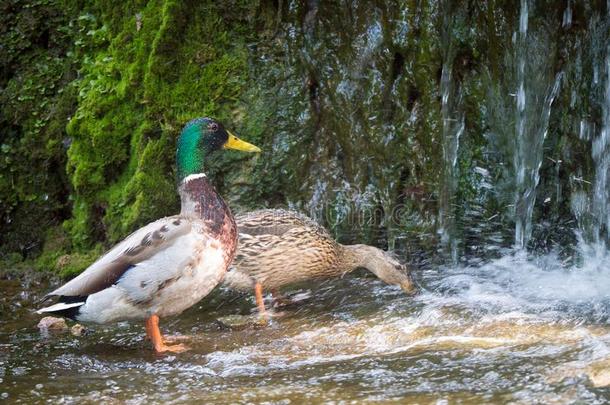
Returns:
(60, 306)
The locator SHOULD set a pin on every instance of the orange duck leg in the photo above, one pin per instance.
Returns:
(154, 334)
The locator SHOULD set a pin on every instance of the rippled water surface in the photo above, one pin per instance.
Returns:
(519, 330)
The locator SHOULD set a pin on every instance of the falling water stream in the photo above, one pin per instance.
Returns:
(534, 98)
(453, 128)
(601, 155)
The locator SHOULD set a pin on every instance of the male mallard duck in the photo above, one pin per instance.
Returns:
(277, 248)
(169, 265)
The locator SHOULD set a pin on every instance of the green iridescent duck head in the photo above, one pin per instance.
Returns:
(200, 138)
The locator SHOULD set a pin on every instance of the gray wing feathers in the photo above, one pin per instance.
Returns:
(137, 247)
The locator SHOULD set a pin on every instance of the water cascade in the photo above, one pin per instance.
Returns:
(600, 151)
(590, 203)
(534, 98)
(452, 129)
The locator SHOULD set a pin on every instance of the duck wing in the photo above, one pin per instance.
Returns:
(137, 247)
(276, 247)
(275, 222)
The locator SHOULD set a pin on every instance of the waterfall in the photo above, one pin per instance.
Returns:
(567, 16)
(453, 127)
(459, 131)
(522, 217)
(590, 199)
(452, 120)
(600, 151)
(533, 107)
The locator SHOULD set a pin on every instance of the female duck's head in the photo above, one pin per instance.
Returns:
(383, 264)
(201, 137)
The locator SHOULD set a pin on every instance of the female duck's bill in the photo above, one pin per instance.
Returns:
(168, 265)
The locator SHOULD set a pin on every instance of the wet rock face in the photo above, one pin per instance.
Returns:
(403, 125)
(358, 90)
(36, 99)
(425, 124)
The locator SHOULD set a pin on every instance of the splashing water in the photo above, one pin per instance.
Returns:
(518, 328)
(542, 285)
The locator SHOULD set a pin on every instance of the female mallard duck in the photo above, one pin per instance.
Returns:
(277, 248)
(169, 265)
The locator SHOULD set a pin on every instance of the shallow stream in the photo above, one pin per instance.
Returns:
(511, 330)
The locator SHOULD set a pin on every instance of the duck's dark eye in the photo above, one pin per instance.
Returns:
(213, 127)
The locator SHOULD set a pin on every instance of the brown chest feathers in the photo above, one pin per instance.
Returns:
(201, 202)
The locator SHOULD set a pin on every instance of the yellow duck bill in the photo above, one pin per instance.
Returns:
(235, 143)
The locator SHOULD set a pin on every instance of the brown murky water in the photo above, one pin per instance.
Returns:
(508, 331)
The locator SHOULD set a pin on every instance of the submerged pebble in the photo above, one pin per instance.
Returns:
(78, 330)
(239, 322)
(51, 323)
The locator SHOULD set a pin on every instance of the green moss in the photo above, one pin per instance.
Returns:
(70, 265)
(155, 71)
(36, 98)
(59, 257)
(124, 78)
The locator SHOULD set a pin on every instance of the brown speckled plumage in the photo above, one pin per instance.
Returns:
(278, 248)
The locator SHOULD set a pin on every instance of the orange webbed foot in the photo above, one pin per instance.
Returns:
(179, 348)
(154, 334)
(176, 339)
